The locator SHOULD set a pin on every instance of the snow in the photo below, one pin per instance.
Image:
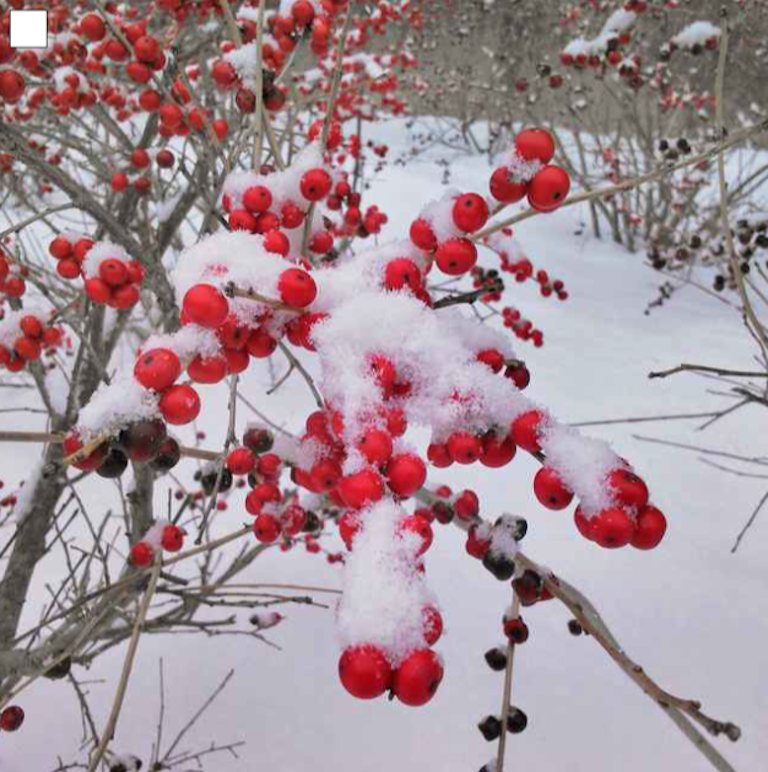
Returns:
(619, 21)
(664, 606)
(696, 33)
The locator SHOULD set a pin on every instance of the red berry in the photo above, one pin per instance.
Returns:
(315, 184)
(241, 461)
(125, 297)
(496, 452)
(376, 446)
(526, 430)
(406, 474)
(433, 625)
(11, 718)
(257, 199)
(28, 349)
(142, 554)
(519, 375)
(550, 489)
(365, 672)
(438, 455)
(418, 677)
(361, 488)
(172, 538)
(157, 369)
(464, 447)
(476, 547)
(140, 158)
(266, 528)
(467, 505)
(292, 520)
(423, 236)
(420, 527)
(204, 305)
(261, 344)
(612, 528)
(325, 474)
(277, 243)
(349, 526)
(60, 248)
(31, 326)
(93, 27)
(535, 145)
(72, 444)
(583, 525)
(297, 288)
(548, 189)
(211, 370)
(470, 212)
(180, 405)
(70, 269)
(12, 85)
(400, 273)
(628, 489)
(650, 527)
(456, 256)
(505, 189)
(113, 272)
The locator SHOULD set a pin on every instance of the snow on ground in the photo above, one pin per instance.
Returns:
(694, 615)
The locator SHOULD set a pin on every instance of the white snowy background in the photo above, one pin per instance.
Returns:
(694, 615)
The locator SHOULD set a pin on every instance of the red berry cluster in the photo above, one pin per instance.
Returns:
(161, 536)
(110, 278)
(24, 337)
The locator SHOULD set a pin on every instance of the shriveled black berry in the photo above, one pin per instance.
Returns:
(311, 523)
(142, 440)
(501, 566)
(490, 728)
(516, 721)
(114, 464)
(574, 628)
(496, 659)
(258, 440)
(168, 455)
(443, 512)
(59, 670)
(211, 475)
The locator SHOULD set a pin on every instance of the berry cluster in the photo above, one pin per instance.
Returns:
(161, 536)
(24, 337)
(110, 277)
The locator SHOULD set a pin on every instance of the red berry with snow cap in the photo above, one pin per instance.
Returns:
(628, 489)
(418, 526)
(526, 430)
(376, 446)
(365, 672)
(402, 273)
(464, 448)
(505, 189)
(423, 236)
(496, 451)
(361, 488)
(433, 625)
